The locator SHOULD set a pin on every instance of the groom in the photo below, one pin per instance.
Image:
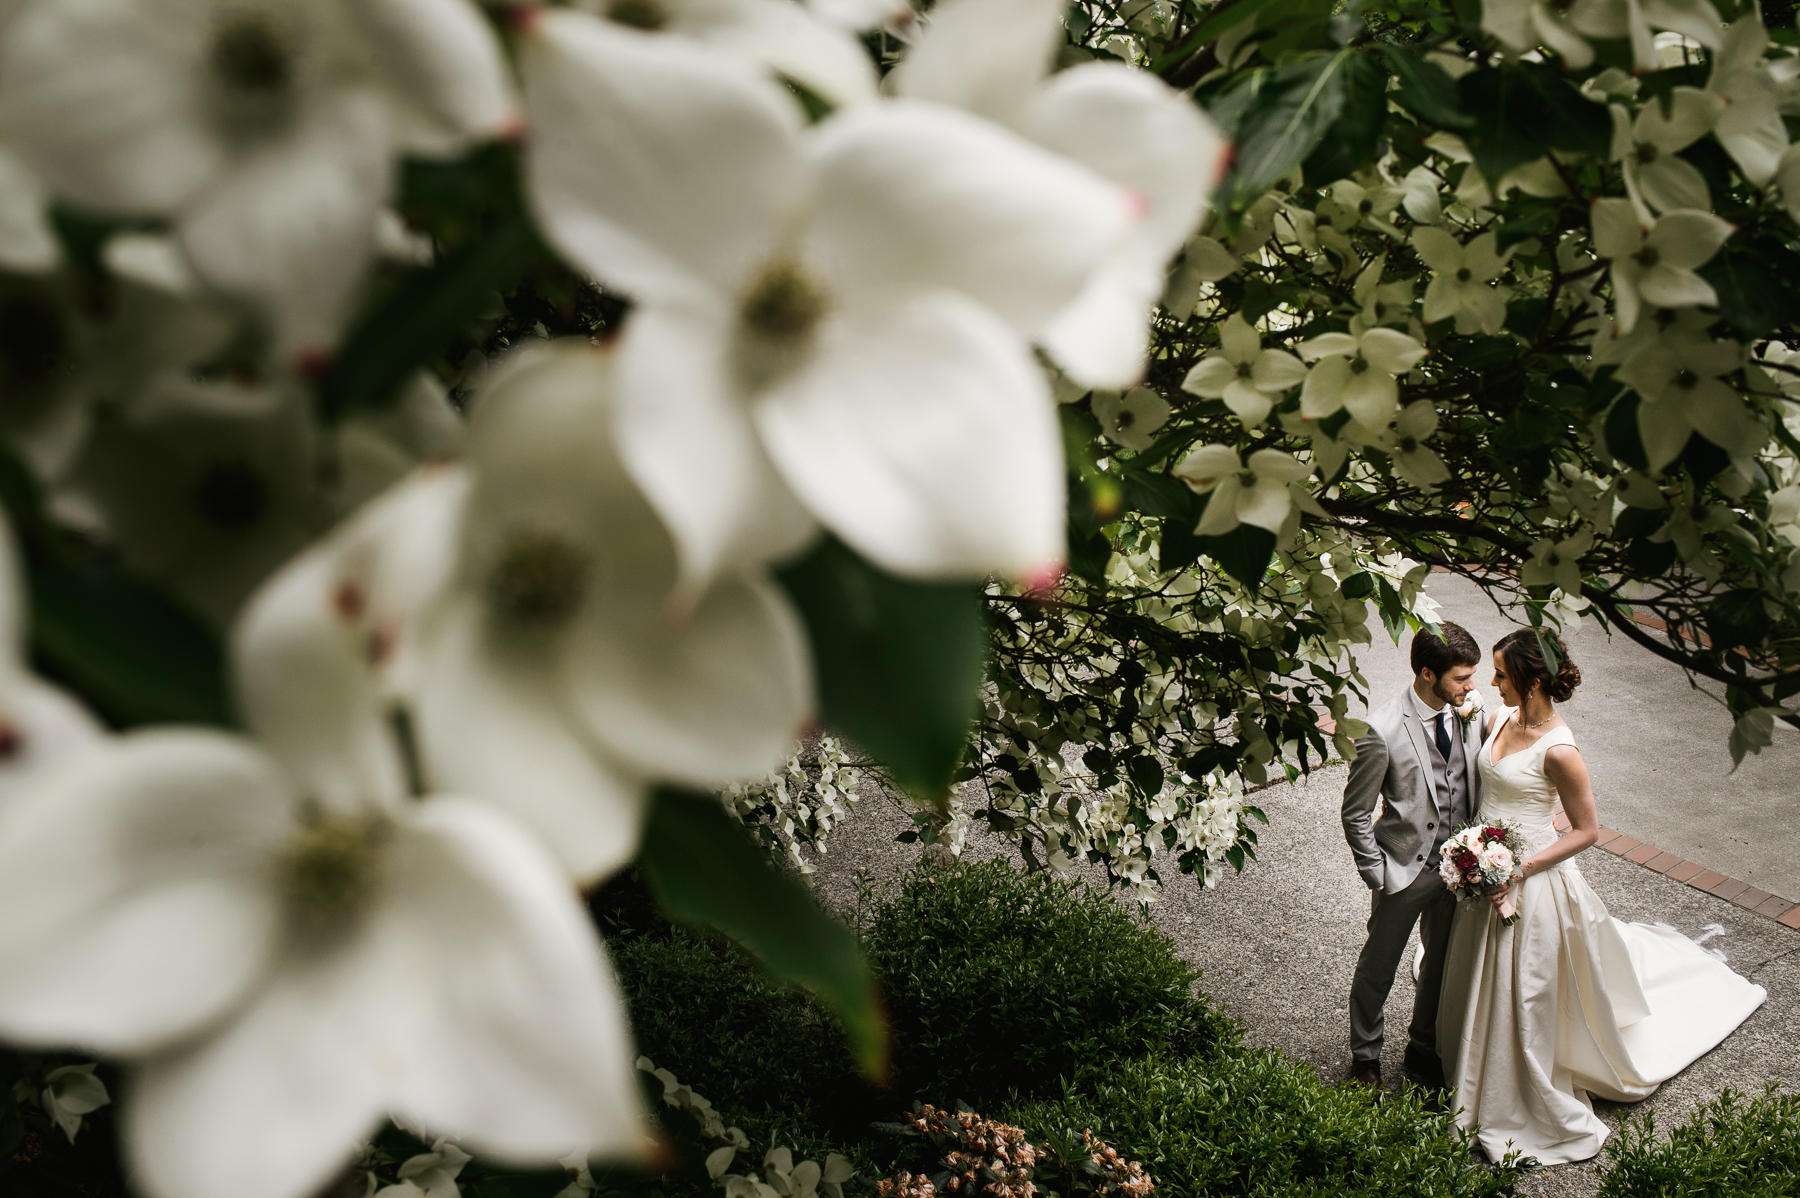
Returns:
(1419, 757)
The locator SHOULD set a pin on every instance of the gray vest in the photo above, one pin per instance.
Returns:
(1452, 781)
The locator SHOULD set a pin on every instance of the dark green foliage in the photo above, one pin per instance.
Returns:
(36, 1158)
(707, 872)
(1254, 1122)
(899, 662)
(1731, 1148)
(999, 982)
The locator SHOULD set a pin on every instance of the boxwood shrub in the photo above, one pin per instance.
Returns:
(1000, 982)
(1732, 1147)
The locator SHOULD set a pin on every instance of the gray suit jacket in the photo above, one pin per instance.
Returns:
(1392, 763)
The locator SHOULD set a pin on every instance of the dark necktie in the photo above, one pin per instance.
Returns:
(1443, 735)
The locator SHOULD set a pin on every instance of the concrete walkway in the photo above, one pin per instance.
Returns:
(1655, 746)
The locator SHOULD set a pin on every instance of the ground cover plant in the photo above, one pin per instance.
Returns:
(1734, 1145)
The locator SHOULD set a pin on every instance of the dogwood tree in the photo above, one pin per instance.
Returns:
(454, 452)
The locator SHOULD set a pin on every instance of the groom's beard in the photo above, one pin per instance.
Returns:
(1448, 693)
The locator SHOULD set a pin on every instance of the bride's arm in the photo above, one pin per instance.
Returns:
(1568, 772)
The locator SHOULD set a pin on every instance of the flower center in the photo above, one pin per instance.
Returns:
(538, 581)
(1125, 419)
(1464, 275)
(1408, 444)
(1380, 309)
(778, 321)
(1647, 256)
(1366, 207)
(1687, 380)
(1646, 153)
(639, 14)
(1359, 364)
(1247, 478)
(252, 61)
(231, 496)
(330, 871)
(34, 340)
(1244, 370)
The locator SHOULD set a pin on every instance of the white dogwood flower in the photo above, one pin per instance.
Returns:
(1419, 195)
(1244, 374)
(266, 130)
(289, 950)
(1683, 392)
(1462, 282)
(1525, 24)
(1131, 418)
(1404, 441)
(1656, 265)
(993, 58)
(517, 608)
(1557, 563)
(429, 1174)
(1381, 303)
(71, 1092)
(838, 315)
(1255, 490)
(781, 36)
(1750, 128)
(1357, 371)
(1649, 147)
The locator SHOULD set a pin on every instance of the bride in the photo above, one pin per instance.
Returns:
(1567, 1002)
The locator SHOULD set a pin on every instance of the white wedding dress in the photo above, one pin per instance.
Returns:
(1568, 1001)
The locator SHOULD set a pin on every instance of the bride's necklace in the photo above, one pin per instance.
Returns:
(1519, 719)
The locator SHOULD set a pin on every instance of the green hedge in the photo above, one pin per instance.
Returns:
(1731, 1148)
(1000, 982)
(1255, 1122)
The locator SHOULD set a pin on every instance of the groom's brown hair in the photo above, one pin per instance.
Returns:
(1440, 654)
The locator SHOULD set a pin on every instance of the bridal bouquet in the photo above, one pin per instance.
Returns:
(1481, 859)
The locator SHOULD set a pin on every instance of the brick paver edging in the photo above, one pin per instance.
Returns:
(1742, 894)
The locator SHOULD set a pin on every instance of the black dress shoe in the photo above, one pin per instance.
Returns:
(1366, 1073)
(1424, 1068)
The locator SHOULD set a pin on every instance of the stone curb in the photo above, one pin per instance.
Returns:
(1672, 865)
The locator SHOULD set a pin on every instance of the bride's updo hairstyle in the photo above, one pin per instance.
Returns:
(1526, 667)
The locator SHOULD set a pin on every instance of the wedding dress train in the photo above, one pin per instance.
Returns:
(1567, 1002)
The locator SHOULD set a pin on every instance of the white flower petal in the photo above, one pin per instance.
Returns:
(1102, 338)
(280, 1098)
(1371, 397)
(28, 244)
(1238, 340)
(1617, 231)
(1438, 249)
(925, 437)
(916, 197)
(1272, 463)
(1265, 504)
(136, 885)
(1328, 343)
(1221, 514)
(685, 436)
(103, 98)
(1672, 182)
(523, 1069)
(986, 56)
(1205, 466)
(1323, 393)
(1666, 287)
(491, 724)
(1209, 377)
(1391, 350)
(1277, 370)
(1247, 400)
(292, 229)
(789, 40)
(715, 699)
(654, 164)
(443, 68)
(1686, 239)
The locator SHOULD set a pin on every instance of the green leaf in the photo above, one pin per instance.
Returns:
(1244, 552)
(129, 649)
(1277, 117)
(1352, 140)
(1358, 585)
(1427, 91)
(1208, 31)
(1623, 438)
(899, 663)
(1738, 618)
(1752, 298)
(1525, 110)
(419, 318)
(126, 647)
(704, 870)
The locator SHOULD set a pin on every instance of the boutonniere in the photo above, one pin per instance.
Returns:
(1470, 709)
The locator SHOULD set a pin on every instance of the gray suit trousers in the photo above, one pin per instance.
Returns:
(1428, 903)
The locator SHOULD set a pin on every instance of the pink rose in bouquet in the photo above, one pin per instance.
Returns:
(1481, 860)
